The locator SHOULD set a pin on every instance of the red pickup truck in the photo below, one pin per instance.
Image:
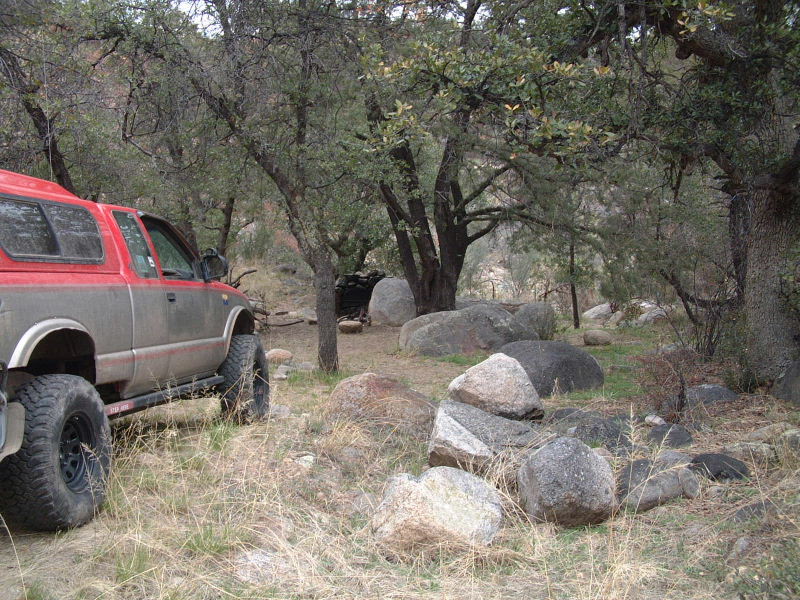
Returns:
(104, 311)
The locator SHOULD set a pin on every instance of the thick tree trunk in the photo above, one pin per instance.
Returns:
(325, 287)
(773, 325)
(225, 228)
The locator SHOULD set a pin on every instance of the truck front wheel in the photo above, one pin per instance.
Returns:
(245, 391)
(58, 477)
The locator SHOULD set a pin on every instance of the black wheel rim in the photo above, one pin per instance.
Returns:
(76, 437)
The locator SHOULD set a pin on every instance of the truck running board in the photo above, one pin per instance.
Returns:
(161, 397)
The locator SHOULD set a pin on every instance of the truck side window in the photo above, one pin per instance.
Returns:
(176, 261)
(24, 230)
(143, 262)
(76, 231)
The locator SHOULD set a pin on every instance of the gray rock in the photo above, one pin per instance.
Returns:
(410, 327)
(768, 433)
(710, 393)
(756, 452)
(479, 327)
(608, 433)
(278, 356)
(468, 438)
(382, 401)
(567, 483)
(788, 386)
(392, 302)
(597, 337)
(652, 316)
(719, 467)
(563, 420)
(500, 386)
(755, 510)
(643, 485)
(279, 411)
(556, 363)
(281, 373)
(740, 547)
(534, 321)
(654, 421)
(444, 507)
(789, 440)
(672, 458)
(600, 312)
(671, 436)
(286, 268)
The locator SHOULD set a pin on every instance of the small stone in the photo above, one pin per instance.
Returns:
(767, 433)
(654, 420)
(719, 467)
(671, 436)
(307, 461)
(351, 326)
(279, 356)
(281, 373)
(716, 491)
(279, 411)
(310, 316)
(604, 453)
(740, 547)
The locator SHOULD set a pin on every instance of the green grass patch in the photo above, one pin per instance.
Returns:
(317, 377)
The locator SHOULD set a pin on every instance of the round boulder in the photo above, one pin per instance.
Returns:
(444, 507)
(566, 482)
(500, 386)
(478, 327)
(601, 312)
(392, 302)
(535, 321)
(383, 401)
(550, 364)
(597, 337)
(279, 356)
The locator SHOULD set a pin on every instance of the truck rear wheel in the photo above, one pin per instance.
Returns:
(58, 477)
(245, 391)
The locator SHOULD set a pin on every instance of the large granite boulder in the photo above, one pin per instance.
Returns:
(566, 482)
(709, 393)
(788, 386)
(392, 302)
(643, 485)
(479, 327)
(719, 467)
(382, 401)
(550, 363)
(443, 508)
(535, 320)
(601, 312)
(500, 386)
(468, 438)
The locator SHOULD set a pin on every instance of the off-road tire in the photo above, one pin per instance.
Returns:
(245, 391)
(57, 479)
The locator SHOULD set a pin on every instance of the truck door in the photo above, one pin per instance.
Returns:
(150, 327)
(195, 310)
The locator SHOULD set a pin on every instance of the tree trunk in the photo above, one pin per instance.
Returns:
(573, 292)
(773, 324)
(225, 229)
(325, 287)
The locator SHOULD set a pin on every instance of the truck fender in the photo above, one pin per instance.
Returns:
(231, 323)
(28, 342)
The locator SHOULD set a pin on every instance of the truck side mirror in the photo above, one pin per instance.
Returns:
(214, 265)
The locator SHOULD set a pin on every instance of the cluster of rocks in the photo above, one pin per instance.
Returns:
(635, 313)
(286, 364)
(493, 433)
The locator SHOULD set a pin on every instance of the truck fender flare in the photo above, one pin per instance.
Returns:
(232, 318)
(31, 338)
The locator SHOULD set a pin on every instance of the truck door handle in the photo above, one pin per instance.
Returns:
(171, 297)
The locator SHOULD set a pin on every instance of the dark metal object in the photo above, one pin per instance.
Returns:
(76, 436)
(353, 293)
